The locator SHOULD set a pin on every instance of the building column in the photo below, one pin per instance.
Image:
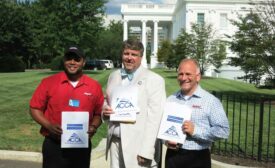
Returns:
(125, 30)
(154, 58)
(143, 38)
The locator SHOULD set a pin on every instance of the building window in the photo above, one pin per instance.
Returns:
(200, 18)
(223, 21)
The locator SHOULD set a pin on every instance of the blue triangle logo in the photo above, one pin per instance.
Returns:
(74, 139)
(172, 131)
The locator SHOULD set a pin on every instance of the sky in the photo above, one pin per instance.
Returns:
(113, 6)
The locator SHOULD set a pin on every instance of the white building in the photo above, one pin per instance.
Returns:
(171, 18)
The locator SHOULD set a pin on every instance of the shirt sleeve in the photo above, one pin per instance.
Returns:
(39, 97)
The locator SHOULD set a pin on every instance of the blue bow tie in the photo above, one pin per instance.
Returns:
(124, 74)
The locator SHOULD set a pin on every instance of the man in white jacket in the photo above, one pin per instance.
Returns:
(134, 145)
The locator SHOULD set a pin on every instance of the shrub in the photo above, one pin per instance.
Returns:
(11, 64)
(57, 63)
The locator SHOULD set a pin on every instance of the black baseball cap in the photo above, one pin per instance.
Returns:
(73, 52)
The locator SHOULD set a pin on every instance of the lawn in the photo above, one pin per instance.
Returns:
(213, 84)
(20, 132)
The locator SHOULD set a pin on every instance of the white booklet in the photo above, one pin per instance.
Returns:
(171, 124)
(75, 126)
(124, 100)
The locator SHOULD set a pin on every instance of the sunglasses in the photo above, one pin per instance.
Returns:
(72, 56)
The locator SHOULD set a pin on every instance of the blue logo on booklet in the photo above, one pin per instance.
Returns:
(74, 126)
(172, 131)
(74, 103)
(175, 119)
(124, 104)
(74, 139)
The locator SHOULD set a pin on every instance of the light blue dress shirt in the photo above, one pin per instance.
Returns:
(208, 116)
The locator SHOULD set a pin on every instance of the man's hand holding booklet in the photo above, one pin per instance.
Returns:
(174, 116)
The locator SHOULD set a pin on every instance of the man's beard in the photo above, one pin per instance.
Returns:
(73, 74)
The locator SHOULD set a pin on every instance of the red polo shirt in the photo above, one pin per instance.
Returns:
(53, 94)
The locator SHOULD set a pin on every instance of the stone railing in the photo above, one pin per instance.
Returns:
(128, 7)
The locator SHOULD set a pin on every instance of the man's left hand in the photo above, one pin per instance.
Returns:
(92, 130)
(143, 161)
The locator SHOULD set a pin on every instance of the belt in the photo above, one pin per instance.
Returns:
(54, 138)
(185, 151)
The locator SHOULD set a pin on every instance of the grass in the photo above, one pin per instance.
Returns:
(244, 119)
(20, 132)
(213, 84)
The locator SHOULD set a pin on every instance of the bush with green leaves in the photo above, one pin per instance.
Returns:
(57, 63)
(11, 64)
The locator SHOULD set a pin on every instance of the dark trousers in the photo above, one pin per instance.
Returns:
(187, 158)
(56, 157)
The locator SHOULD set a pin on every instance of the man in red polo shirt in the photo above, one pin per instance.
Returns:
(72, 91)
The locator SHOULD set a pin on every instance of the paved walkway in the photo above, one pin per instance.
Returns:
(19, 164)
(98, 156)
(18, 159)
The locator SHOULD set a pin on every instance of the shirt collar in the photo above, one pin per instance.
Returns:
(65, 79)
(198, 93)
(134, 73)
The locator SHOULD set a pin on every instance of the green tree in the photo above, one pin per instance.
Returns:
(29, 39)
(181, 49)
(165, 51)
(38, 31)
(254, 45)
(200, 45)
(66, 22)
(217, 54)
(266, 11)
(110, 42)
(14, 36)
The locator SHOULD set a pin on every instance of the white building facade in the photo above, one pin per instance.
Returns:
(172, 18)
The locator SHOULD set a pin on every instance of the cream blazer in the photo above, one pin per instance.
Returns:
(139, 138)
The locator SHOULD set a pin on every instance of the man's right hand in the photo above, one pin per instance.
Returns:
(54, 129)
(172, 145)
(107, 111)
(38, 116)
